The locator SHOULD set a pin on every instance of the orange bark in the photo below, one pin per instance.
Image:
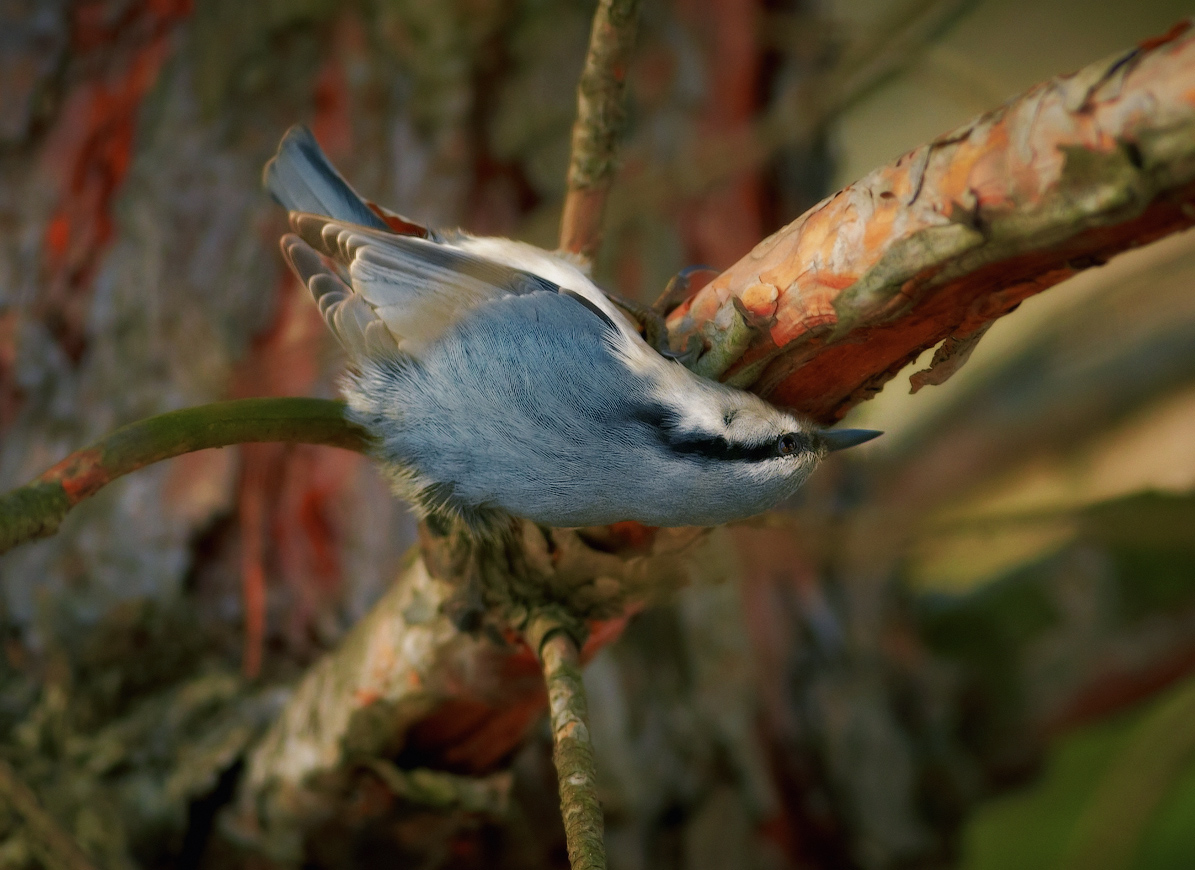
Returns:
(89, 149)
(956, 233)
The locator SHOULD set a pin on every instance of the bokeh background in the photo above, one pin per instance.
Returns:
(970, 644)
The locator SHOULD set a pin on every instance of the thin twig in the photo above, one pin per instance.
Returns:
(601, 116)
(489, 795)
(36, 509)
(572, 750)
(600, 119)
(55, 847)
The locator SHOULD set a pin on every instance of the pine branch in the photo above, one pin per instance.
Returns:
(576, 768)
(956, 234)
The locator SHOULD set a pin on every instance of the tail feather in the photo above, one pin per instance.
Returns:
(301, 179)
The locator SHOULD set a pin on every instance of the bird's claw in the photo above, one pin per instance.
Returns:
(652, 317)
(687, 357)
(678, 289)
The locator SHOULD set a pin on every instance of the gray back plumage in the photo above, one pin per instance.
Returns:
(381, 291)
(509, 412)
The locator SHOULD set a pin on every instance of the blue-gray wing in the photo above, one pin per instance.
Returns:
(381, 292)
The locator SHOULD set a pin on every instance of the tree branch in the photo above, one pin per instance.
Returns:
(576, 769)
(406, 677)
(36, 509)
(957, 233)
(601, 117)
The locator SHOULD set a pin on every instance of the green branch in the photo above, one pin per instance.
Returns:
(36, 509)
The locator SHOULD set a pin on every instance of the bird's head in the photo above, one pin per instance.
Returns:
(751, 454)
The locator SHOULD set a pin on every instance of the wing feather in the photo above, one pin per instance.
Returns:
(384, 290)
(416, 287)
(347, 315)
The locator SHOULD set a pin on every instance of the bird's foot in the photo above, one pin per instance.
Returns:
(678, 289)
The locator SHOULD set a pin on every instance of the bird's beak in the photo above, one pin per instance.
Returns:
(840, 439)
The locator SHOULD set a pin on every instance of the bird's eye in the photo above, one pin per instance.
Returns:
(788, 444)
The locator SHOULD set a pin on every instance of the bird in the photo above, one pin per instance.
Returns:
(498, 381)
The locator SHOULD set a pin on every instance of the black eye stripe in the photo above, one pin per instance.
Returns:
(713, 447)
(665, 425)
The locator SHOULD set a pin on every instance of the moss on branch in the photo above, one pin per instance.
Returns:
(576, 769)
(38, 508)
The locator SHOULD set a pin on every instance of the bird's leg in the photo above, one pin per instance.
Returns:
(466, 607)
(655, 330)
(678, 289)
(450, 550)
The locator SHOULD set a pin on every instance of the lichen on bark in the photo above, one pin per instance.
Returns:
(576, 769)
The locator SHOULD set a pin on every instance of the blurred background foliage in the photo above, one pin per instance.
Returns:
(968, 645)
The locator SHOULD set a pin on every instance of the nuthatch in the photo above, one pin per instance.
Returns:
(499, 381)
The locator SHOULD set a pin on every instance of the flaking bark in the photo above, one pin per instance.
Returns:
(408, 665)
(958, 232)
